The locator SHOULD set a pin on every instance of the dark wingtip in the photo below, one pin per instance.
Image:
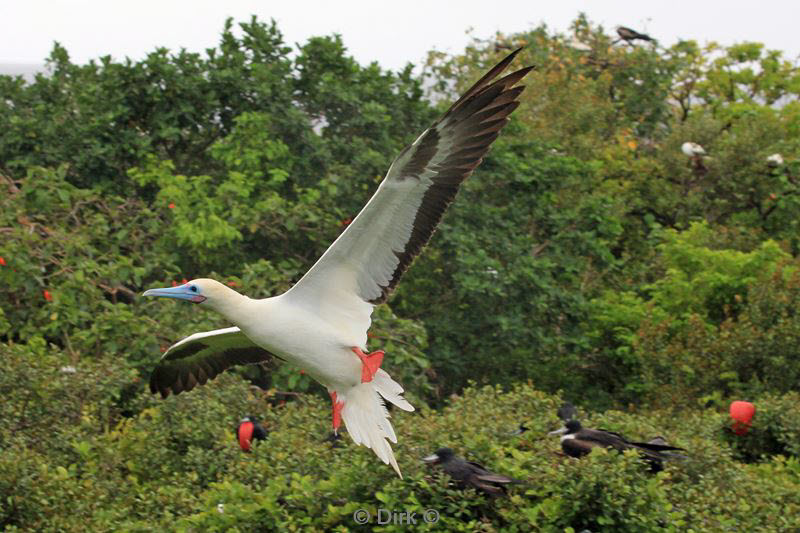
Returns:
(513, 54)
(157, 382)
(486, 79)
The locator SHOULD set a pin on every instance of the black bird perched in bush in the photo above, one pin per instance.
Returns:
(628, 35)
(249, 430)
(577, 441)
(469, 474)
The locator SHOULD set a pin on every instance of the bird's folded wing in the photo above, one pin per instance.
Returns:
(201, 357)
(365, 263)
(496, 478)
(656, 447)
(574, 446)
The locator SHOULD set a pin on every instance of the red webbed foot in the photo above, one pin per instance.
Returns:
(337, 411)
(371, 363)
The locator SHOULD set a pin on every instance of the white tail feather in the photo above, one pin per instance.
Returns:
(390, 390)
(365, 416)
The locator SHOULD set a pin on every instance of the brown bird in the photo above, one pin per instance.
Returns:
(577, 441)
(628, 35)
(469, 474)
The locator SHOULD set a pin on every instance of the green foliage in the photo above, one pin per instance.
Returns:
(746, 355)
(586, 255)
(702, 279)
(775, 430)
(176, 466)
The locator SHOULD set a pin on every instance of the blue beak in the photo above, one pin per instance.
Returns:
(181, 292)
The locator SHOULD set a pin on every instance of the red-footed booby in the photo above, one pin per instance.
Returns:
(691, 149)
(320, 324)
(696, 155)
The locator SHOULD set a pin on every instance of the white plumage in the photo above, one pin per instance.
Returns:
(320, 325)
(775, 160)
(691, 149)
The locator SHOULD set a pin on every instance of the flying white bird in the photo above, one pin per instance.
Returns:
(320, 324)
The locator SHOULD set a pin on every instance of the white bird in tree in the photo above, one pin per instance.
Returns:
(691, 149)
(695, 153)
(775, 160)
(320, 324)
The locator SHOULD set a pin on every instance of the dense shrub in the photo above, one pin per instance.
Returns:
(586, 255)
(176, 465)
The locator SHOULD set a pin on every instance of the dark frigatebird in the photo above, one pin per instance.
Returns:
(577, 441)
(249, 430)
(628, 35)
(469, 474)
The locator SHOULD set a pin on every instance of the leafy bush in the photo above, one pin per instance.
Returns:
(574, 260)
(176, 465)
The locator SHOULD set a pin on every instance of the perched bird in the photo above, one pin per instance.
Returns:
(691, 149)
(577, 441)
(742, 415)
(249, 430)
(695, 153)
(775, 160)
(628, 35)
(469, 474)
(320, 324)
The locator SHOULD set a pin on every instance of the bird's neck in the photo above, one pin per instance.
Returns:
(237, 308)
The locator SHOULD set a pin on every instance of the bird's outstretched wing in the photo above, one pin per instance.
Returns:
(201, 357)
(367, 260)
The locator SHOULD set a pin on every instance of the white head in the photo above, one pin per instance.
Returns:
(204, 291)
(692, 149)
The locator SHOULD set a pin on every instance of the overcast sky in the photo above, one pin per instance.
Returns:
(392, 33)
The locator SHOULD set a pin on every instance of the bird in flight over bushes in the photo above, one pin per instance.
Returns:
(320, 324)
(469, 474)
(249, 430)
(577, 441)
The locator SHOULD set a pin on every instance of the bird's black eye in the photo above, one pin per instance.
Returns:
(193, 288)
